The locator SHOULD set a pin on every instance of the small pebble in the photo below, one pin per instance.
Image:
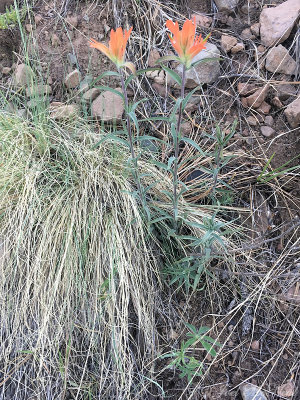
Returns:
(255, 345)
(267, 131)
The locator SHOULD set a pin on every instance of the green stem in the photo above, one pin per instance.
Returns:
(176, 150)
(130, 138)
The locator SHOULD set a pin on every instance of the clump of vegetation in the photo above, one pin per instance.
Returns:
(10, 18)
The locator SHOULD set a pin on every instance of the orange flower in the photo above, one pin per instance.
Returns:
(185, 42)
(116, 48)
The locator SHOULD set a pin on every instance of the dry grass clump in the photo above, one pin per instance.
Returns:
(80, 282)
(79, 278)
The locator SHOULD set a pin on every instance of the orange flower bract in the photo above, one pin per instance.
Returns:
(185, 42)
(116, 47)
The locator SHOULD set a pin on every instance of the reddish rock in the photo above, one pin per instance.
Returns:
(247, 34)
(202, 20)
(160, 89)
(264, 108)
(277, 22)
(226, 5)
(286, 390)
(267, 131)
(255, 345)
(285, 91)
(153, 57)
(227, 42)
(37, 19)
(276, 102)
(252, 120)
(245, 89)
(292, 113)
(278, 60)
(237, 48)
(23, 75)
(72, 79)
(256, 99)
(90, 95)
(269, 120)
(108, 106)
(72, 21)
(255, 29)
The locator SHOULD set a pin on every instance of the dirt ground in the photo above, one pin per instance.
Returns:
(60, 32)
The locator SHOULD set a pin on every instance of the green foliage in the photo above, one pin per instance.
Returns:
(187, 364)
(266, 176)
(11, 17)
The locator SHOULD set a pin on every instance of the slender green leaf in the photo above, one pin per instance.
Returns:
(188, 97)
(194, 144)
(109, 89)
(208, 59)
(172, 74)
(113, 138)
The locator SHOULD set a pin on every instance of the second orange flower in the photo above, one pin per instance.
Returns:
(185, 41)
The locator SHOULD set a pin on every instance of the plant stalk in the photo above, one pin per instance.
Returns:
(176, 150)
(130, 138)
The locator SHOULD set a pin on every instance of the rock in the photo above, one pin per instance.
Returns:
(108, 106)
(276, 102)
(158, 76)
(237, 48)
(186, 129)
(38, 90)
(153, 57)
(193, 104)
(6, 70)
(255, 345)
(226, 5)
(255, 29)
(29, 28)
(292, 113)
(269, 120)
(286, 390)
(267, 131)
(37, 19)
(55, 40)
(23, 75)
(277, 22)
(60, 111)
(245, 89)
(247, 34)
(160, 89)
(204, 72)
(278, 60)
(202, 20)
(258, 97)
(72, 21)
(72, 79)
(264, 108)
(227, 42)
(252, 121)
(251, 392)
(90, 95)
(261, 48)
(285, 91)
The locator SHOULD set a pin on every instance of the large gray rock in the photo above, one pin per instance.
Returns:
(108, 106)
(292, 113)
(276, 23)
(206, 71)
(278, 60)
(226, 5)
